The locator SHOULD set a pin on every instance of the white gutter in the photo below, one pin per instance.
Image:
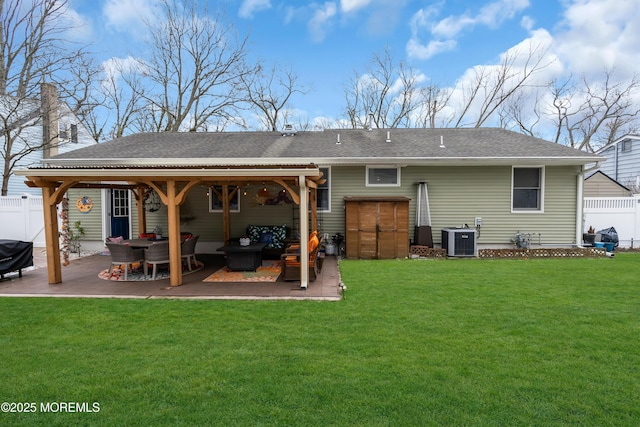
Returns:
(336, 161)
(202, 172)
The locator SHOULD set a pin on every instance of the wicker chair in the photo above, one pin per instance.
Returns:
(188, 251)
(125, 255)
(157, 253)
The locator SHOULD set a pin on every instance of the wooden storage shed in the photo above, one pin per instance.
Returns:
(377, 227)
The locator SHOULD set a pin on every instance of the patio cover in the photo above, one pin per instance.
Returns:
(172, 185)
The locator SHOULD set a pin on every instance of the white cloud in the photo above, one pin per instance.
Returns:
(129, 15)
(320, 23)
(417, 50)
(115, 67)
(600, 33)
(352, 5)
(490, 15)
(527, 23)
(445, 31)
(249, 7)
(78, 27)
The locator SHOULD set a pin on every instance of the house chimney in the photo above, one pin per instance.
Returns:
(49, 111)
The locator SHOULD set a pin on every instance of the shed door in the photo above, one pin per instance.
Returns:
(377, 229)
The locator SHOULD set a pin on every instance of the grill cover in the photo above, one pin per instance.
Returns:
(15, 255)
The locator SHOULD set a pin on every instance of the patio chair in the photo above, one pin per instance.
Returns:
(125, 255)
(291, 260)
(157, 253)
(188, 251)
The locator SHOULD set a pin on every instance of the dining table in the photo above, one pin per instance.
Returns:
(142, 243)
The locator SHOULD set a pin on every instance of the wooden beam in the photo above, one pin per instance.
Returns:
(52, 241)
(159, 190)
(182, 196)
(173, 208)
(61, 191)
(292, 193)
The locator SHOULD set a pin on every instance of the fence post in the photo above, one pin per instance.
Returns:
(24, 207)
(636, 222)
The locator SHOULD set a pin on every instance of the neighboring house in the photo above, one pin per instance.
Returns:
(504, 182)
(622, 162)
(600, 184)
(25, 119)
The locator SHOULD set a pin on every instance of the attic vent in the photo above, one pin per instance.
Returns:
(288, 130)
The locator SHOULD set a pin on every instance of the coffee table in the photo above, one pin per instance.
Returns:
(243, 258)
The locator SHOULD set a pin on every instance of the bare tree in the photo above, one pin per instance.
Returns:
(269, 92)
(490, 87)
(80, 88)
(193, 70)
(432, 101)
(32, 50)
(386, 94)
(588, 114)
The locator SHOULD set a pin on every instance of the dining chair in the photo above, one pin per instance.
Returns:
(188, 251)
(156, 253)
(125, 255)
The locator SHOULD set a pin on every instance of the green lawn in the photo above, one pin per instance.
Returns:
(416, 342)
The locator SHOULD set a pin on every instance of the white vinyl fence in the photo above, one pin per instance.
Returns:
(22, 218)
(623, 213)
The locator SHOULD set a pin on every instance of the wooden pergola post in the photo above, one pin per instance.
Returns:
(173, 209)
(54, 268)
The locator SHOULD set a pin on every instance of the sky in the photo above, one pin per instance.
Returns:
(325, 42)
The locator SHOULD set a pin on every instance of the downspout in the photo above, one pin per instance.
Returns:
(580, 202)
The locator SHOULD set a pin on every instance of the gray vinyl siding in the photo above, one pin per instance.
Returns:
(91, 221)
(459, 194)
(456, 194)
(196, 218)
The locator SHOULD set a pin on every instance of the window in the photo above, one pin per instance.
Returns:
(68, 132)
(527, 184)
(324, 192)
(215, 202)
(383, 176)
(74, 134)
(120, 203)
(63, 132)
(626, 145)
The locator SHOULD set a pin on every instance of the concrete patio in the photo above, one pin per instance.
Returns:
(80, 280)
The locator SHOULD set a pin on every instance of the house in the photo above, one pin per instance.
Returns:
(599, 184)
(26, 121)
(215, 184)
(622, 161)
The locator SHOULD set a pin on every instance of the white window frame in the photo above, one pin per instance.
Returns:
(218, 208)
(540, 209)
(369, 184)
(625, 146)
(121, 203)
(328, 184)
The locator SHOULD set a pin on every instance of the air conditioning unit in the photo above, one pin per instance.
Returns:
(460, 242)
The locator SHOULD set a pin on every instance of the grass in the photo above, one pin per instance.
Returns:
(416, 342)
